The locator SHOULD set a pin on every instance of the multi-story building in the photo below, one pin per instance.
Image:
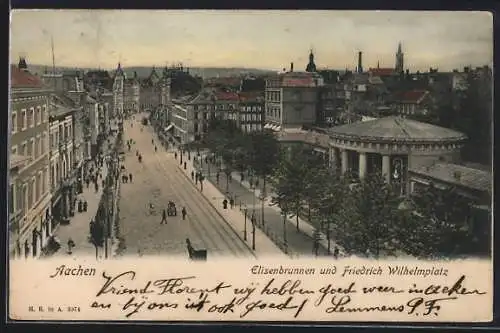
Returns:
(29, 192)
(63, 175)
(131, 92)
(291, 99)
(250, 111)
(118, 93)
(150, 92)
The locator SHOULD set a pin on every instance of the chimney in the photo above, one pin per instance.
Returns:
(291, 67)
(22, 64)
(360, 62)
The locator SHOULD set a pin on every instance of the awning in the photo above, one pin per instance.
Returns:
(169, 127)
(267, 125)
(276, 128)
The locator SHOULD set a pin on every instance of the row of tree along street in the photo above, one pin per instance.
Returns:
(365, 218)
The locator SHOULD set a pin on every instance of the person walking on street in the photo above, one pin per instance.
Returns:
(156, 149)
(184, 213)
(96, 187)
(192, 175)
(164, 217)
(130, 177)
(231, 202)
(217, 177)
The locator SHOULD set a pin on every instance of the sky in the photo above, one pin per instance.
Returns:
(251, 39)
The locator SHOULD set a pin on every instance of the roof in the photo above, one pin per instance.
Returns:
(308, 137)
(458, 175)
(412, 96)
(24, 79)
(226, 96)
(253, 96)
(301, 79)
(382, 71)
(395, 128)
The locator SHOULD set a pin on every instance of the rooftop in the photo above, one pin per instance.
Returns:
(395, 128)
(309, 137)
(382, 71)
(458, 175)
(24, 79)
(412, 96)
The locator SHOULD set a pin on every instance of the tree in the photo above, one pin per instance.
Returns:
(96, 235)
(440, 224)
(367, 221)
(263, 158)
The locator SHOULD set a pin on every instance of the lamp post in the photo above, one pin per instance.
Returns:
(253, 232)
(283, 213)
(245, 229)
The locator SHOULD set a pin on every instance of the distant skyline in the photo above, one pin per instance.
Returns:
(252, 39)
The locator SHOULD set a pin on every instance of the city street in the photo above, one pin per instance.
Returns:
(158, 180)
(297, 242)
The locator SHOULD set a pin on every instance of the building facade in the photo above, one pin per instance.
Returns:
(64, 173)
(291, 99)
(250, 111)
(29, 191)
(131, 102)
(118, 93)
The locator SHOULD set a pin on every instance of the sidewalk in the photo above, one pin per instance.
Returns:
(78, 229)
(243, 191)
(304, 226)
(264, 247)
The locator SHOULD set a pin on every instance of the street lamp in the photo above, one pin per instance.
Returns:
(283, 213)
(245, 230)
(253, 232)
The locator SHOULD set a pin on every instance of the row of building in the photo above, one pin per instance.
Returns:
(56, 126)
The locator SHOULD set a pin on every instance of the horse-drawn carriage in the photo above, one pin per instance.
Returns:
(171, 209)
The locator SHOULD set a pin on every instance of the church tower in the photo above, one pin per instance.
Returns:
(399, 60)
(311, 66)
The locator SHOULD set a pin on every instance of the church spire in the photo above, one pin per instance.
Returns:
(311, 66)
(399, 67)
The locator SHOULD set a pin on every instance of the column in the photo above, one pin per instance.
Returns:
(344, 160)
(362, 165)
(333, 158)
(386, 168)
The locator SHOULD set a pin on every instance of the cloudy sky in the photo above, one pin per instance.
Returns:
(256, 39)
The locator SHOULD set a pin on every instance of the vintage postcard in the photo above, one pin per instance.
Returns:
(245, 165)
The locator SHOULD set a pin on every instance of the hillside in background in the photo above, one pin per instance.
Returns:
(143, 72)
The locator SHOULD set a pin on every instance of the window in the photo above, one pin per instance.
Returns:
(45, 113)
(11, 198)
(38, 115)
(14, 122)
(31, 117)
(23, 149)
(30, 148)
(24, 119)
(44, 181)
(30, 194)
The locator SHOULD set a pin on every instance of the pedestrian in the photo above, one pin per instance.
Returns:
(192, 175)
(102, 183)
(242, 176)
(231, 202)
(217, 177)
(130, 177)
(196, 178)
(87, 180)
(96, 187)
(156, 149)
(184, 213)
(164, 217)
(336, 252)
(175, 155)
